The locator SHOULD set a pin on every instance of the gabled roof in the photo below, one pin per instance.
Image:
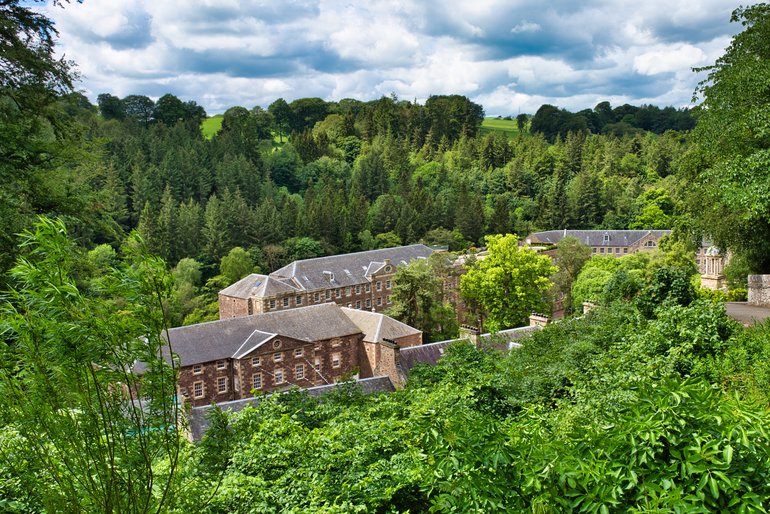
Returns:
(346, 269)
(259, 286)
(377, 326)
(237, 337)
(596, 237)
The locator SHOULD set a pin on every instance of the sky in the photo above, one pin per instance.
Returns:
(510, 56)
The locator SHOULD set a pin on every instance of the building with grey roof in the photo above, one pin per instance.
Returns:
(602, 242)
(361, 280)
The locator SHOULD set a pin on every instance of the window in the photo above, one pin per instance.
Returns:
(299, 371)
(388, 269)
(256, 381)
(316, 297)
(277, 357)
(336, 341)
(593, 250)
(606, 238)
(221, 364)
(278, 377)
(298, 352)
(601, 250)
(387, 284)
(338, 292)
(379, 301)
(347, 291)
(358, 304)
(286, 301)
(221, 385)
(617, 250)
(378, 286)
(649, 244)
(625, 250)
(277, 344)
(368, 288)
(272, 304)
(198, 389)
(358, 289)
(317, 364)
(335, 360)
(256, 362)
(328, 294)
(368, 303)
(197, 369)
(298, 300)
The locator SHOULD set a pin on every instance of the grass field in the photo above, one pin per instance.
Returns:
(211, 126)
(508, 127)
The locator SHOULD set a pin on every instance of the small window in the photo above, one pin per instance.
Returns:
(388, 269)
(256, 362)
(335, 360)
(286, 301)
(272, 304)
(299, 371)
(197, 369)
(277, 357)
(328, 294)
(347, 291)
(601, 250)
(221, 364)
(277, 344)
(617, 250)
(358, 304)
(387, 284)
(593, 250)
(649, 243)
(298, 352)
(625, 250)
(298, 300)
(198, 389)
(221, 385)
(256, 381)
(379, 301)
(378, 286)
(278, 376)
(368, 303)
(316, 297)
(358, 289)
(368, 288)
(606, 238)
(338, 292)
(317, 364)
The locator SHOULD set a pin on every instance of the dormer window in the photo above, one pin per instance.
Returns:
(606, 238)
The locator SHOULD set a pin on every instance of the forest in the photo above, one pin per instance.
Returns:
(655, 402)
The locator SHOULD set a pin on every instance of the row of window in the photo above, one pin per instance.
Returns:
(609, 250)
(328, 294)
(278, 375)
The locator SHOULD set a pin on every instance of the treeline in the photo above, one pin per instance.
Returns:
(626, 119)
(367, 176)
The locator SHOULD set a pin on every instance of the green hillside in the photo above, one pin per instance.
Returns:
(211, 126)
(508, 127)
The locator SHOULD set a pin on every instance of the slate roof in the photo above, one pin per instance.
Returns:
(346, 269)
(259, 286)
(430, 353)
(236, 337)
(595, 237)
(377, 326)
(198, 416)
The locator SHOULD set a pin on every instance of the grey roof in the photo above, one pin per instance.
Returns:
(595, 237)
(346, 269)
(430, 353)
(377, 326)
(236, 337)
(259, 286)
(198, 416)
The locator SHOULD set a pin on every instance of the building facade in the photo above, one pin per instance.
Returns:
(602, 242)
(235, 358)
(361, 280)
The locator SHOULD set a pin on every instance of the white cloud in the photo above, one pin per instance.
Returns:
(669, 58)
(525, 26)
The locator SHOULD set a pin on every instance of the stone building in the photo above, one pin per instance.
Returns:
(230, 359)
(602, 242)
(361, 280)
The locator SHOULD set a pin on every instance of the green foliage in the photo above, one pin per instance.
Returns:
(571, 256)
(508, 284)
(236, 264)
(68, 364)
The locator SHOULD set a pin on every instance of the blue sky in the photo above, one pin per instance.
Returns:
(510, 56)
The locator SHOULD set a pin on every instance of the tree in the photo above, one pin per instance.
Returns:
(138, 107)
(69, 362)
(728, 174)
(282, 116)
(236, 264)
(508, 284)
(418, 300)
(169, 110)
(111, 107)
(571, 255)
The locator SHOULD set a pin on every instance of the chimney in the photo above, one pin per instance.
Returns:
(538, 320)
(471, 333)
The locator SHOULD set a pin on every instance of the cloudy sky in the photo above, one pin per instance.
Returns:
(510, 56)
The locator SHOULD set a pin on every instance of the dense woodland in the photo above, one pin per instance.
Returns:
(655, 402)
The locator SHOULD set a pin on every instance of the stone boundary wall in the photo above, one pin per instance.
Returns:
(759, 290)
